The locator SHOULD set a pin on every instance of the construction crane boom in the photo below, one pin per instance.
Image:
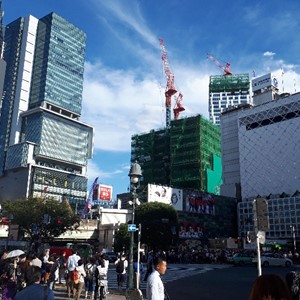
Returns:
(178, 106)
(225, 69)
(170, 87)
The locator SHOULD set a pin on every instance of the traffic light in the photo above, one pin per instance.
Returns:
(58, 221)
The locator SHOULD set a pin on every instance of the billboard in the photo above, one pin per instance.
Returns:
(190, 230)
(102, 192)
(264, 82)
(198, 202)
(165, 194)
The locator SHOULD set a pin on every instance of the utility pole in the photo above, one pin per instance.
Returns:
(261, 225)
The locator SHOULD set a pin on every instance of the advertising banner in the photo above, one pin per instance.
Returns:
(102, 192)
(201, 203)
(166, 195)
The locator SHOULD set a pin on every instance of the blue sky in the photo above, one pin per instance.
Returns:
(124, 80)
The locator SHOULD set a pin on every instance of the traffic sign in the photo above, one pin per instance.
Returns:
(261, 216)
(131, 227)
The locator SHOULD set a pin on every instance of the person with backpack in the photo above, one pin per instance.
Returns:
(78, 278)
(121, 266)
(89, 280)
(101, 278)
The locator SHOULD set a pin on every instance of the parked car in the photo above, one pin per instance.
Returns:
(111, 256)
(240, 259)
(274, 260)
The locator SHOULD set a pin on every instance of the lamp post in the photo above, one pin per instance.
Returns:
(135, 174)
(294, 237)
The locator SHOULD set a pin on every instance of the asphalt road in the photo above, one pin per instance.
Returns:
(233, 283)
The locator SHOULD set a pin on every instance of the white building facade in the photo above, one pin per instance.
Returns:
(260, 147)
(261, 157)
(227, 91)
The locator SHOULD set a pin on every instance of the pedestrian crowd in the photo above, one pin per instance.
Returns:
(25, 277)
(30, 277)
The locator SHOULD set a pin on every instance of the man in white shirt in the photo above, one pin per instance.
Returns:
(155, 286)
(72, 263)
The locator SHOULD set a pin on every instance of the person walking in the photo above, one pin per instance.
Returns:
(155, 286)
(35, 290)
(89, 280)
(121, 266)
(78, 286)
(9, 278)
(54, 271)
(62, 267)
(72, 263)
(149, 265)
(101, 279)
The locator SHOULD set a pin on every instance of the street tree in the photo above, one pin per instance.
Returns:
(41, 218)
(122, 239)
(159, 223)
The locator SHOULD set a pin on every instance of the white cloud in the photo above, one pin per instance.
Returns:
(128, 13)
(120, 103)
(269, 54)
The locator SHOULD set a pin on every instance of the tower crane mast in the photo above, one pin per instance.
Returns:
(170, 88)
(225, 69)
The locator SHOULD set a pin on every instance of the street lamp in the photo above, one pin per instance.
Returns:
(135, 174)
(294, 237)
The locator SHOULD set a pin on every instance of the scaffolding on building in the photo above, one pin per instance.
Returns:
(182, 156)
(232, 83)
(194, 141)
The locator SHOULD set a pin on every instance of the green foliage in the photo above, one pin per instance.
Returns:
(32, 217)
(122, 238)
(159, 224)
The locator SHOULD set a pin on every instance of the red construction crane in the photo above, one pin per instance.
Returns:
(178, 106)
(225, 69)
(170, 88)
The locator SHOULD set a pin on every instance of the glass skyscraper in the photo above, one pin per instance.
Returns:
(44, 147)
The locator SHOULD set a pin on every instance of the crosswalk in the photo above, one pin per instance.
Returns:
(174, 272)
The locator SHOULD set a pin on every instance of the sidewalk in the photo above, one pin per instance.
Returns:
(116, 295)
(120, 295)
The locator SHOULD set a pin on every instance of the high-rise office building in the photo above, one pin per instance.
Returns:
(226, 91)
(2, 62)
(44, 147)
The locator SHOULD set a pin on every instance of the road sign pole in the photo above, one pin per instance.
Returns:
(138, 257)
(258, 255)
(261, 224)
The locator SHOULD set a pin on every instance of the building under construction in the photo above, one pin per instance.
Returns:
(186, 155)
(226, 91)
